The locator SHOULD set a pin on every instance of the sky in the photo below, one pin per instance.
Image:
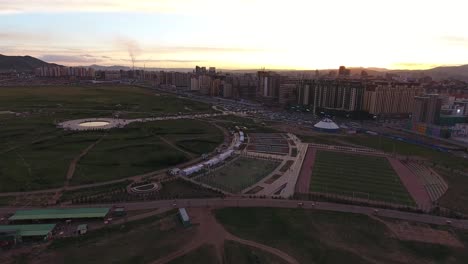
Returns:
(238, 34)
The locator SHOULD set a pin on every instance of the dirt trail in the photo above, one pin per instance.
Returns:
(211, 232)
(72, 167)
(71, 171)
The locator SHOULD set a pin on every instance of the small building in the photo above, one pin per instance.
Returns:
(82, 229)
(184, 217)
(13, 234)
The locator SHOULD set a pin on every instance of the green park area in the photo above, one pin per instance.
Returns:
(35, 154)
(239, 174)
(359, 176)
(330, 237)
(407, 149)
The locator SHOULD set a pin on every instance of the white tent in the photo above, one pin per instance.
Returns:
(327, 125)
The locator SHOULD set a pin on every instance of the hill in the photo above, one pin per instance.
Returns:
(21, 63)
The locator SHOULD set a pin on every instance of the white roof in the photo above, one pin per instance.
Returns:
(326, 124)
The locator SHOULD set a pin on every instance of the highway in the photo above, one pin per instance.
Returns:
(277, 203)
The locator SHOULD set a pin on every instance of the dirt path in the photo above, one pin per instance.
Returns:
(191, 155)
(71, 171)
(211, 232)
(72, 167)
(412, 184)
(303, 183)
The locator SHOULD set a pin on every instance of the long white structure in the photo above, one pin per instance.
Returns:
(191, 170)
(241, 136)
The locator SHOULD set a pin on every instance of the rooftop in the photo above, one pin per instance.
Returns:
(74, 213)
(29, 230)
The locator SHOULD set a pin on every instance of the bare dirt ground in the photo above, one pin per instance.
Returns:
(414, 186)
(209, 231)
(303, 182)
(407, 231)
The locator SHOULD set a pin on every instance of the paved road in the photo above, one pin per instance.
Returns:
(247, 202)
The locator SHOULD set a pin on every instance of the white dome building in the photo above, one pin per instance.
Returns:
(327, 125)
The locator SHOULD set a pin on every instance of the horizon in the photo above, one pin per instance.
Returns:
(271, 34)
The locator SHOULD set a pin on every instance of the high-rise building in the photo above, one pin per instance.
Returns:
(426, 109)
(287, 93)
(194, 84)
(204, 82)
(215, 87)
(390, 98)
(227, 89)
(212, 70)
(268, 85)
(334, 94)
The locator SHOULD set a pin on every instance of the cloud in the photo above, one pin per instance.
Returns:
(51, 6)
(20, 36)
(455, 40)
(206, 49)
(70, 58)
(413, 65)
(165, 60)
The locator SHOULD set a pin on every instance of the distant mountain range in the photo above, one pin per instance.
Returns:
(22, 63)
(28, 64)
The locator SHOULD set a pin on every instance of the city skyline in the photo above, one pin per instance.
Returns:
(241, 34)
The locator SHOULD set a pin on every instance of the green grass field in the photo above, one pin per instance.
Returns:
(329, 237)
(239, 174)
(102, 100)
(175, 189)
(456, 197)
(402, 148)
(35, 154)
(358, 176)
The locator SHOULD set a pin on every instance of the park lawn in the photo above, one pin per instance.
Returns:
(331, 237)
(114, 159)
(320, 139)
(456, 197)
(203, 255)
(175, 189)
(236, 253)
(70, 195)
(40, 165)
(138, 149)
(239, 174)
(199, 146)
(97, 98)
(6, 200)
(360, 176)
(407, 149)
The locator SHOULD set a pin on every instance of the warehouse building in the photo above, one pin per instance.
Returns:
(14, 234)
(59, 214)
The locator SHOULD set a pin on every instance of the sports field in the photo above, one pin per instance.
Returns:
(35, 154)
(240, 174)
(359, 176)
